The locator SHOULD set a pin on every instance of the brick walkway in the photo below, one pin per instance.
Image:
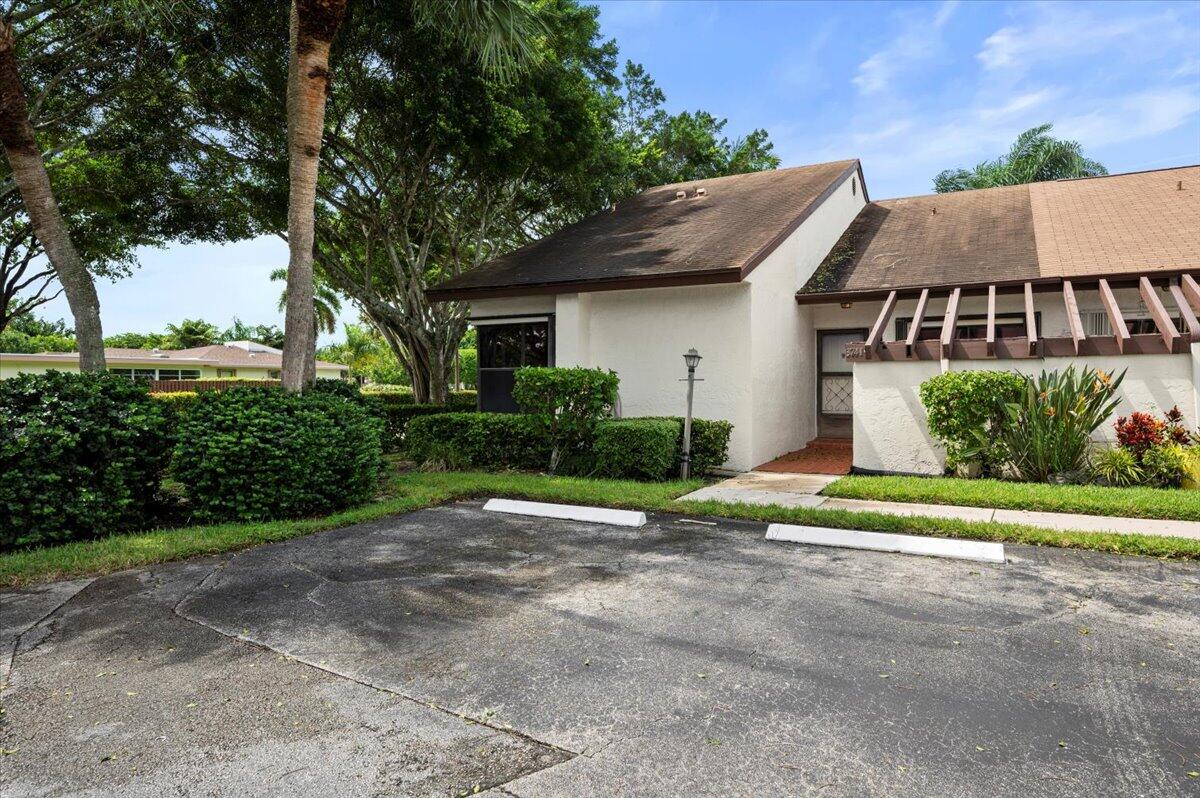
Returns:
(821, 456)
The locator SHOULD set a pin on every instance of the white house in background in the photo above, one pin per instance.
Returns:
(236, 359)
(819, 313)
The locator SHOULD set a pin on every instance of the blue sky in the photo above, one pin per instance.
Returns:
(910, 88)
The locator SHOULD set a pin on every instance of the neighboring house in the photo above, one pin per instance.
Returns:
(801, 294)
(241, 359)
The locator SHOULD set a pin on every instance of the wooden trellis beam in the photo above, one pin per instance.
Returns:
(1115, 319)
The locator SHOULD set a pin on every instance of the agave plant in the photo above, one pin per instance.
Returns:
(1049, 427)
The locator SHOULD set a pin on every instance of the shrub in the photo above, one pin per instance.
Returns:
(257, 453)
(175, 405)
(1048, 429)
(334, 387)
(396, 410)
(636, 448)
(468, 366)
(710, 443)
(567, 403)
(963, 407)
(1191, 469)
(1116, 467)
(1139, 433)
(81, 455)
(1164, 466)
(478, 440)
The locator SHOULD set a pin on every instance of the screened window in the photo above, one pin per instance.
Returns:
(504, 348)
(969, 328)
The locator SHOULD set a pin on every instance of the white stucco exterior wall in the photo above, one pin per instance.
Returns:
(782, 335)
(890, 428)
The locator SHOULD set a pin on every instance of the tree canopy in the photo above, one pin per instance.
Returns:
(1034, 157)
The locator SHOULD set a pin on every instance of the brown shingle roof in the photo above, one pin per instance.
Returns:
(656, 237)
(216, 355)
(1119, 224)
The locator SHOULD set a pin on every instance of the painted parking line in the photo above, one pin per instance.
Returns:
(568, 512)
(882, 541)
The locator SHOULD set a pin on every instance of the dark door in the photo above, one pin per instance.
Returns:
(504, 348)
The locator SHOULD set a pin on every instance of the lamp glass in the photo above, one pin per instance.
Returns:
(692, 358)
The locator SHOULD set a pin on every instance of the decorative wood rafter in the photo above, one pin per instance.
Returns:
(1186, 310)
(950, 322)
(1190, 290)
(1162, 320)
(1074, 322)
(885, 315)
(914, 329)
(1115, 319)
(1030, 320)
(991, 321)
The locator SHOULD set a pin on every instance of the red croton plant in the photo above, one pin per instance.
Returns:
(1142, 431)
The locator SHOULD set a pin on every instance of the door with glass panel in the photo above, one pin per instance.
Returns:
(504, 348)
(835, 382)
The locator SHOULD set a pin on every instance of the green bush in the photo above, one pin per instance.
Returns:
(478, 440)
(567, 403)
(396, 410)
(1047, 432)
(710, 443)
(81, 456)
(1164, 466)
(964, 407)
(637, 448)
(335, 387)
(1116, 467)
(468, 367)
(258, 453)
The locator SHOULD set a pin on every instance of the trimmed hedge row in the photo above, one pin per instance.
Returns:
(253, 453)
(80, 456)
(397, 410)
(638, 448)
(478, 440)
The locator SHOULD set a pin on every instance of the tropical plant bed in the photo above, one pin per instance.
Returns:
(1131, 502)
(408, 491)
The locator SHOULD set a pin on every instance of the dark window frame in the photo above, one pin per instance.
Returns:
(862, 333)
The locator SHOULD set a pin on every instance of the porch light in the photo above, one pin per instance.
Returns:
(692, 359)
(847, 305)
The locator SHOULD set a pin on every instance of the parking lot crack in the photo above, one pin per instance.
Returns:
(10, 659)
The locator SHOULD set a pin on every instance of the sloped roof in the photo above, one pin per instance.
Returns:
(1117, 224)
(656, 239)
(223, 355)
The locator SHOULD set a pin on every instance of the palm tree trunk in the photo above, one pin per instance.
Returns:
(310, 357)
(312, 27)
(29, 174)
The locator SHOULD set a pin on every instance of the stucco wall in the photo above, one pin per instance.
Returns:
(890, 432)
(782, 336)
(11, 368)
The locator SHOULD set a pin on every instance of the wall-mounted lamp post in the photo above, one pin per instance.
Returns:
(692, 359)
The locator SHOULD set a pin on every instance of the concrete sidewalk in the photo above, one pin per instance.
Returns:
(801, 490)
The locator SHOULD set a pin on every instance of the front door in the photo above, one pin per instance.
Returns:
(835, 382)
(504, 348)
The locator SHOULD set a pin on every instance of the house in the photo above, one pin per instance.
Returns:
(241, 359)
(819, 312)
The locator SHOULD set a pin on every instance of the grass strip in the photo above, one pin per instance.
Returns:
(1164, 503)
(413, 491)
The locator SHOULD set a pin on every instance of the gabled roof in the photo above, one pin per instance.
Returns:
(1100, 226)
(656, 239)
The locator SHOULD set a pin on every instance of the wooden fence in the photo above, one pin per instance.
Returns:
(170, 386)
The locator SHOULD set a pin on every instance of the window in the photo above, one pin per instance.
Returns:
(226, 373)
(274, 374)
(504, 348)
(157, 374)
(968, 328)
(1095, 322)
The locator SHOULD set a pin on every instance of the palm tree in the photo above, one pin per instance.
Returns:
(326, 302)
(33, 183)
(500, 32)
(1036, 156)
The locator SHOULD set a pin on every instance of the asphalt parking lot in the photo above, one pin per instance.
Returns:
(451, 651)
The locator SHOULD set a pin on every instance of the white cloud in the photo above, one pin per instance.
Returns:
(917, 41)
(1054, 32)
(1131, 117)
(1019, 104)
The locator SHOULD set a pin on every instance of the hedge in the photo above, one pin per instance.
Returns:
(256, 454)
(710, 443)
(478, 440)
(397, 410)
(567, 403)
(81, 456)
(964, 407)
(637, 448)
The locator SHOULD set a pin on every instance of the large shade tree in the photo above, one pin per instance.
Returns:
(95, 124)
(1034, 157)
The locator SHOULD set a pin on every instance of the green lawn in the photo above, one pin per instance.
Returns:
(1086, 499)
(411, 491)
